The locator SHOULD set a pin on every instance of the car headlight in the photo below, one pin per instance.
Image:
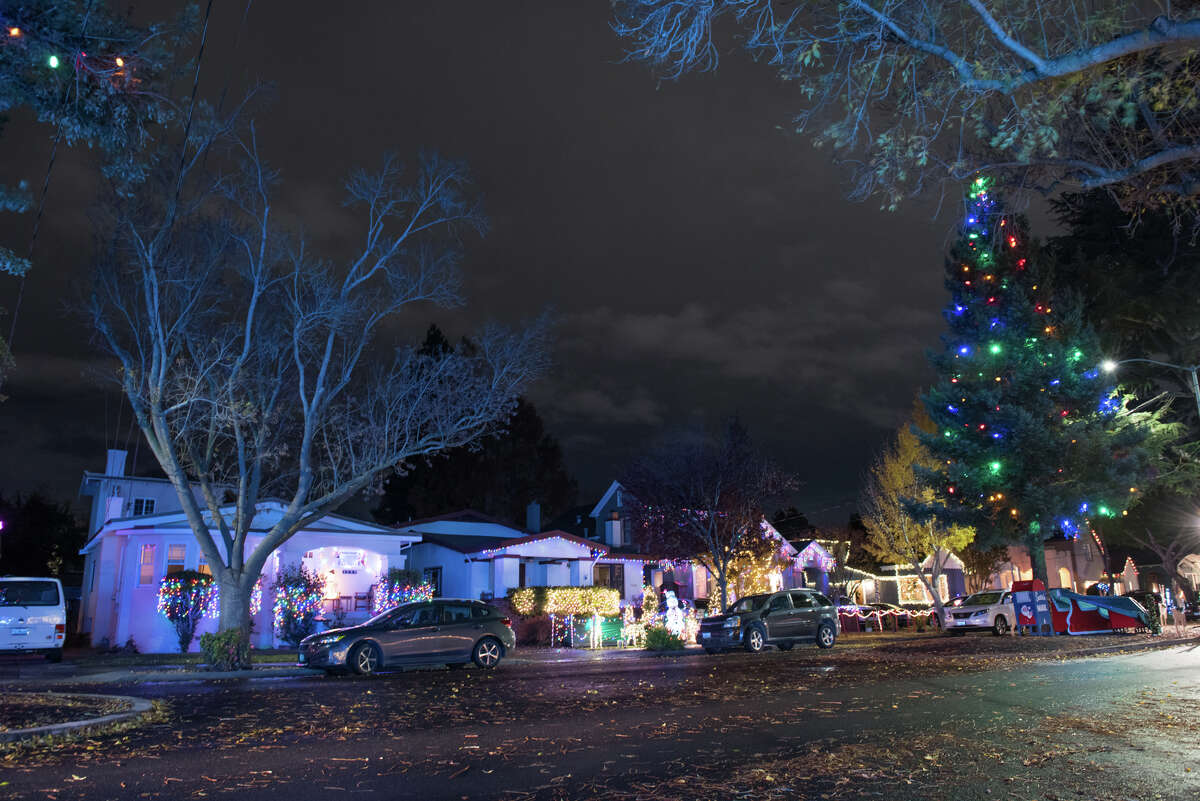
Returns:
(733, 623)
(321, 642)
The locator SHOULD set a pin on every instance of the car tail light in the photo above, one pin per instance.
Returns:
(60, 629)
(506, 621)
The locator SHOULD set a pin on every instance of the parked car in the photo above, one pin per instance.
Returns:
(33, 616)
(990, 609)
(781, 619)
(444, 631)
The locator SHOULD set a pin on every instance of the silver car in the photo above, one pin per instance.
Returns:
(445, 631)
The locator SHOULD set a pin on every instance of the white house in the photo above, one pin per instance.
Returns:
(126, 559)
(470, 555)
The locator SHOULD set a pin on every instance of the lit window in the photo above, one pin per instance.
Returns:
(202, 566)
(175, 556)
(143, 506)
(146, 565)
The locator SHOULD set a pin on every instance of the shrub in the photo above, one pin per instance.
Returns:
(533, 601)
(226, 650)
(298, 595)
(659, 638)
(184, 598)
(400, 587)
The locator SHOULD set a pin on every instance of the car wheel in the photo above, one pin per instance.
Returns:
(756, 639)
(54, 656)
(364, 659)
(1000, 626)
(785, 646)
(487, 653)
(826, 636)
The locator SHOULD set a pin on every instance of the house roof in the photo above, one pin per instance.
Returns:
(469, 544)
(461, 516)
(604, 499)
(178, 520)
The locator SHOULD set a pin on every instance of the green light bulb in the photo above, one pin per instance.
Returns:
(53, 62)
(995, 467)
(995, 348)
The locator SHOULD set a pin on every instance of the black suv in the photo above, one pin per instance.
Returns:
(780, 618)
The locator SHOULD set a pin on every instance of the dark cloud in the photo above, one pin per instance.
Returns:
(701, 261)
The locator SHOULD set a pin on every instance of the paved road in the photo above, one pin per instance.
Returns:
(563, 730)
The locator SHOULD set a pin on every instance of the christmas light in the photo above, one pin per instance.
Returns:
(120, 61)
(994, 348)
(14, 32)
(53, 62)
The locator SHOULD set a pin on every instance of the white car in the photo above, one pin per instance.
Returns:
(990, 609)
(33, 616)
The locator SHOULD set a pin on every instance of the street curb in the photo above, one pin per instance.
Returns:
(1140, 646)
(137, 708)
(143, 677)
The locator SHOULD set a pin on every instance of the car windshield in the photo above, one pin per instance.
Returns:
(751, 603)
(982, 599)
(28, 593)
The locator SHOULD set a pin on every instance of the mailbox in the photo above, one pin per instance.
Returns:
(1032, 607)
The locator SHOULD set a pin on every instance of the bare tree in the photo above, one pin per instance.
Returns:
(256, 368)
(979, 565)
(700, 496)
(1051, 92)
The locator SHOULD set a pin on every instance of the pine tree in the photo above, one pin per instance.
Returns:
(1033, 441)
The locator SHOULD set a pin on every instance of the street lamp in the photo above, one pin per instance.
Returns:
(1109, 366)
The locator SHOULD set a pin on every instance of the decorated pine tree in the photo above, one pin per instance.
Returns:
(1030, 439)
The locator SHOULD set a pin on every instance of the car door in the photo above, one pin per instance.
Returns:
(459, 630)
(416, 635)
(778, 617)
(805, 614)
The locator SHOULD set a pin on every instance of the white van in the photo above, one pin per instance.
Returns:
(33, 616)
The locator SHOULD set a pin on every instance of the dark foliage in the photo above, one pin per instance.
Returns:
(499, 476)
(39, 538)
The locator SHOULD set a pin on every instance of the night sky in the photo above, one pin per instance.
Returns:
(701, 260)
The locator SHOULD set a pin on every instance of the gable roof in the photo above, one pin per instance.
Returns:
(604, 499)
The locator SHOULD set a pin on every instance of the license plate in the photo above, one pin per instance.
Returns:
(18, 632)
(704, 635)
(961, 623)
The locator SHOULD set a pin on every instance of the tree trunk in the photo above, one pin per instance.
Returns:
(931, 588)
(235, 605)
(723, 583)
(1037, 557)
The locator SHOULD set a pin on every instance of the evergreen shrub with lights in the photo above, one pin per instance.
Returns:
(298, 595)
(565, 601)
(184, 598)
(1032, 439)
(400, 586)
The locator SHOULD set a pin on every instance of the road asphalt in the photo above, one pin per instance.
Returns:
(554, 734)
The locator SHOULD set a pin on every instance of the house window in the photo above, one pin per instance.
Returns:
(143, 506)
(146, 565)
(202, 566)
(175, 556)
(609, 576)
(433, 576)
